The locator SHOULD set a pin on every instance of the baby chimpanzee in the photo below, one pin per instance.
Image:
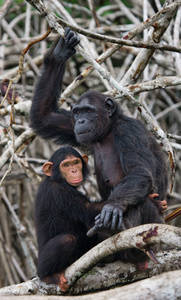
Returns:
(63, 215)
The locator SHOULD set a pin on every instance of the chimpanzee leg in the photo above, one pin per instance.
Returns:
(150, 214)
(135, 216)
(57, 254)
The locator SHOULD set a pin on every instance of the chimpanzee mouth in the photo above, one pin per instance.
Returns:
(75, 181)
(84, 132)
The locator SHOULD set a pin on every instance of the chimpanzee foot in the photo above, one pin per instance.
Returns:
(58, 279)
(63, 282)
(142, 265)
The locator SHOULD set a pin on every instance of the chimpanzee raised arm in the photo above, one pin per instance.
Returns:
(45, 118)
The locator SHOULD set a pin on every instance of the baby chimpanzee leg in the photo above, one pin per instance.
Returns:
(55, 256)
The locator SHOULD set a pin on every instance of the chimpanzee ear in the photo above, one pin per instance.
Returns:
(110, 105)
(47, 168)
(85, 158)
(72, 105)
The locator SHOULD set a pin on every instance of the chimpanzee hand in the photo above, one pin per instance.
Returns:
(109, 220)
(65, 47)
(111, 216)
(161, 204)
(97, 227)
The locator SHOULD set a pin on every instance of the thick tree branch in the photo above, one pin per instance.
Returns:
(131, 238)
(138, 237)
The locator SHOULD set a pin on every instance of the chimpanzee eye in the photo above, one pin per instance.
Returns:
(76, 114)
(66, 165)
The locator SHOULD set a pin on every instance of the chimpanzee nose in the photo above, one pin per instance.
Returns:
(81, 121)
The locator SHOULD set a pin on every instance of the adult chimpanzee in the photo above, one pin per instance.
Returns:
(129, 163)
(63, 215)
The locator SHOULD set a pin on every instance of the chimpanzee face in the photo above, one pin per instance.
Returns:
(66, 163)
(71, 170)
(84, 116)
(92, 119)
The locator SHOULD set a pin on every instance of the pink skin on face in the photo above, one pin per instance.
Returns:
(71, 170)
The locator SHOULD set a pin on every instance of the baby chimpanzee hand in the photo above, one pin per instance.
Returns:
(65, 47)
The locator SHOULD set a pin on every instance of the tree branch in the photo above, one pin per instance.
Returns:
(127, 239)
(123, 41)
(22, 141)
(137, 237)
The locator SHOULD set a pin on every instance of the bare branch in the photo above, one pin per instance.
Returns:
(147, 234)
(21, 108)
(130, 238)
(124, 41)
(21, 142)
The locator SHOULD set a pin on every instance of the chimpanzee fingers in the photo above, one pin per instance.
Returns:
(107, 217)
(163, 206)
(67, 29)
(153, 196)
(114, 218)
(58, 48)
(120, 220)
(96, 228)
(72, 41)
(97, 217)
(92, 231)
(71, 38)
(76, 42)
(102, 214)
(98, 221)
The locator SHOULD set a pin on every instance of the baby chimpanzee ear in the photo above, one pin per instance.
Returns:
(110, 105)
(47, 168)
(85, 158)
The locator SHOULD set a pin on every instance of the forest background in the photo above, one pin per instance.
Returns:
(143, 72)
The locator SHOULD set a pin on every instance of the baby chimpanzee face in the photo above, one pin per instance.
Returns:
(71, 170)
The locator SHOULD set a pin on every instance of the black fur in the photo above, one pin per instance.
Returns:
(62, 216)
(129, 163)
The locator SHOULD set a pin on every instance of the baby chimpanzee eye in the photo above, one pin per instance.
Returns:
(66, 165)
